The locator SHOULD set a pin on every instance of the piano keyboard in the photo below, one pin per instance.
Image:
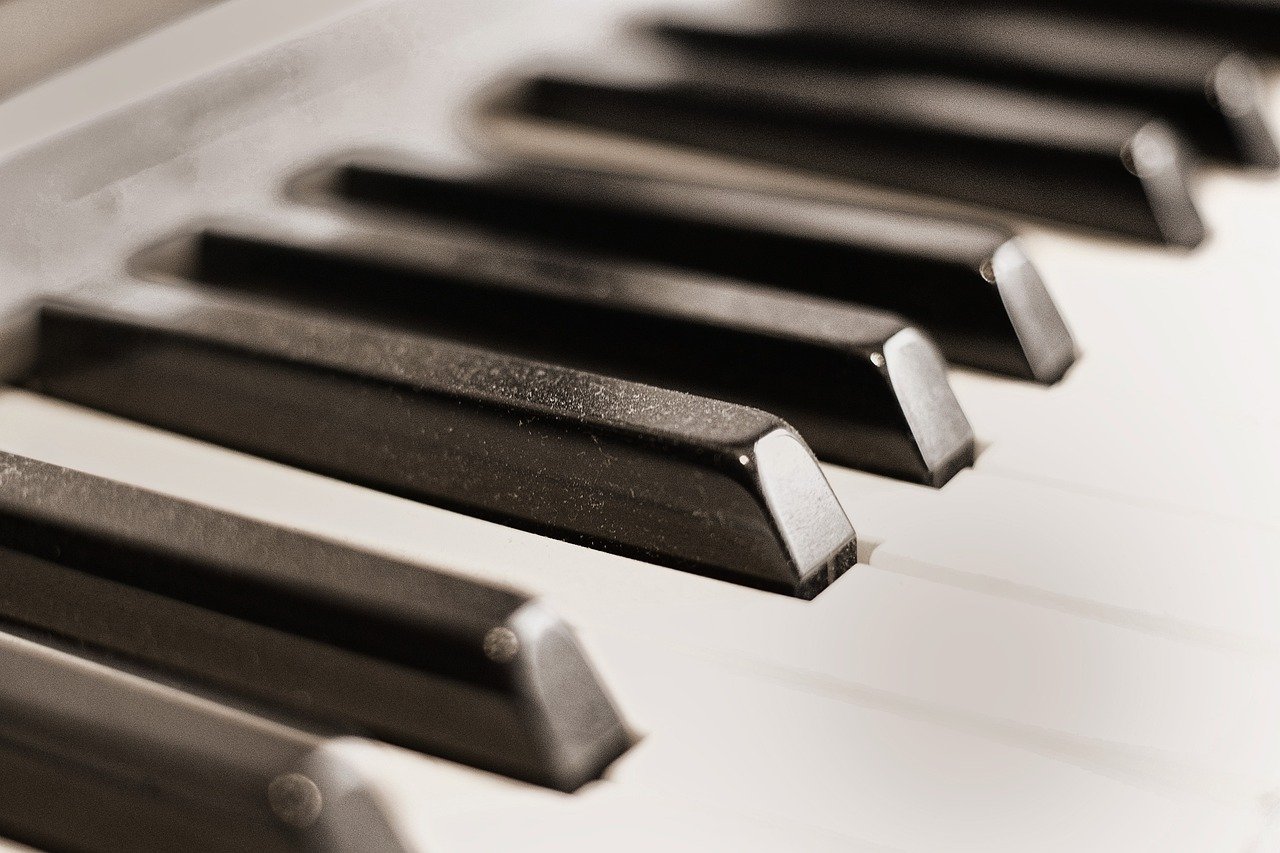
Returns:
(581, 425)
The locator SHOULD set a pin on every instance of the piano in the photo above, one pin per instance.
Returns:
(582, 425)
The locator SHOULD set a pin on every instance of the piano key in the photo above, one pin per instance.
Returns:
(1110, 559)
(967, 284)
(96, 759)
(1150, 311)
(1181, 352)
(449, 807)
(863, 388)
(420, 658)
(888, 766)
(920, 759)
(1141, 307)
(1113, 560)
(1211, 93)
(1248, 22)
(1101, 168)
(1118, 438)
(921, 815)
(1060, 682)
(703, 791)
(1108, 696)
(687, 482)
(1200, 332)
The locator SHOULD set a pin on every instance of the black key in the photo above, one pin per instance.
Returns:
(349, 640)
(968, 284)
(1208, 91)
(96, 759)
(1255, 23)
(863, 388)
(1072, 162)
(692, 483)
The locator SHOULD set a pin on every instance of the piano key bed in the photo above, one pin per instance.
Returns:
(567, 425)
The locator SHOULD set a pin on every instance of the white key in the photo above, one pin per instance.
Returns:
(1177, 396)
(1167, 572)
(1125, 443)
(1002, 660)
(440, 807)
(1180, 349)
(1104, 695)
(895, 778)
(732, 761)
(1202, 326)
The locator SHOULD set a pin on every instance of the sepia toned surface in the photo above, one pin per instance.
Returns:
(1073, 645)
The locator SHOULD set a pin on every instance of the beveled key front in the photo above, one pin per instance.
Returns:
(1066, 161)
(862, 387)
(683, 481)
(968, 284)
(337, 637)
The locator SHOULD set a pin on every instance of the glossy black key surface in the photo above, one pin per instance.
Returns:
(1207, 90)
(968, 284)
(1102, 168)
(1255, 23)
(687, 482)
(96, 759)
(863, 388)
(352, 641)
